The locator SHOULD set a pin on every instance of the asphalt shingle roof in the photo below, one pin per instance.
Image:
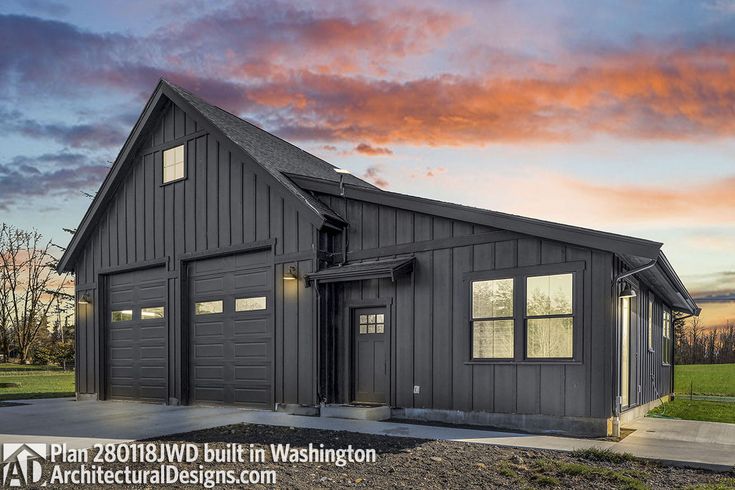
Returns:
(276, 155)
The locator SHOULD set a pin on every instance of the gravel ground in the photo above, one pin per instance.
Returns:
(414, 463)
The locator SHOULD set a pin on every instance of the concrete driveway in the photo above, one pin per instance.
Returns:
(686, 442)
(85, 423)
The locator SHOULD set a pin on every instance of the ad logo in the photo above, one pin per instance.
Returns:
(21, 465)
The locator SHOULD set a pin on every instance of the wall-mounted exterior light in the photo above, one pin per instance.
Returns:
(627, 292)
(291, 274)
(85, 299)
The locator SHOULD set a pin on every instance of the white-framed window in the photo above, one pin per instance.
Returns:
(152, 312)
(251, 304)
(650, 323)
(121, 316)
(666, 337)
(493, 325)
(208, 307)
(173, 164)
(550, 316)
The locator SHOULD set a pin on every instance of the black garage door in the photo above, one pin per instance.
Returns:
(231, 355)
(136, 336)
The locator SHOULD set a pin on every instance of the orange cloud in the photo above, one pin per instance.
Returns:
(676, 95)
(366, 149)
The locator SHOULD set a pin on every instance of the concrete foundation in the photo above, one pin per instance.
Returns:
(641, 410)
(356, 412)
(83, 397)
(296, 409)
(538, 424)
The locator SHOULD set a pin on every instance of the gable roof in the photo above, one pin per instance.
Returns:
(269, 150)
(273, 154)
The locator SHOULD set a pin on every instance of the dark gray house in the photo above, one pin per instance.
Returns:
(221, 264)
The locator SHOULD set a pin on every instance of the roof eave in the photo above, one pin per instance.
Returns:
(600, 240)
(73, 248)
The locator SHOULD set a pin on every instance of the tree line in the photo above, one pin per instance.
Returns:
(696, 344)
(36, 303)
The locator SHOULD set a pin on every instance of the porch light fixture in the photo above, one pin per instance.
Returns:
(291, 274)
(85, 300)
(627, 292)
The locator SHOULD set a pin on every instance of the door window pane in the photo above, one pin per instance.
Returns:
(550, 337)
(122, 315)
(151, 313)
(250, 304)
(208, 307)
(492, 339)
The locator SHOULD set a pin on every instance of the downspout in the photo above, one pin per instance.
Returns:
(618, 339)
(346, 230)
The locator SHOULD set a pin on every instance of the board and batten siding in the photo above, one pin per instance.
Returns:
(226, 200)
(430, 332)
(647, 370)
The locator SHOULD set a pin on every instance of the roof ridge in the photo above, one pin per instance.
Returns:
(265, 133)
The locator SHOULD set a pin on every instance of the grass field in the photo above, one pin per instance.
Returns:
(705, 379)
(681, 408)
(34, 382)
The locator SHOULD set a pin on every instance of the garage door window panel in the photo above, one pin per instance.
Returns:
(122, 316)
(152, 313)
(254, 303)
(208, 307)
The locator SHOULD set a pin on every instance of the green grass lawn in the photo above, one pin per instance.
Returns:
(34, 382)
(681, 408)
(705, 379)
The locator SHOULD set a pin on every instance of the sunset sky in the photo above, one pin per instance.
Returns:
(614, 115)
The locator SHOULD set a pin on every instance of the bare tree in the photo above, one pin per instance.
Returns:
(5, 326)
(31, 284)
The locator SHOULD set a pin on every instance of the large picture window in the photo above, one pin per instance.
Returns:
(666, 338)
(492, 319)
(550, 317)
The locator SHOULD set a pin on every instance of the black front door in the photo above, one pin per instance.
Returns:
(370, 355)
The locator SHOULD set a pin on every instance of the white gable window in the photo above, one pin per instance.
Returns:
(173, 164)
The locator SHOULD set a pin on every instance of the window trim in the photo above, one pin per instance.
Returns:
(485, 319)
(576, 268)
(186, 170)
